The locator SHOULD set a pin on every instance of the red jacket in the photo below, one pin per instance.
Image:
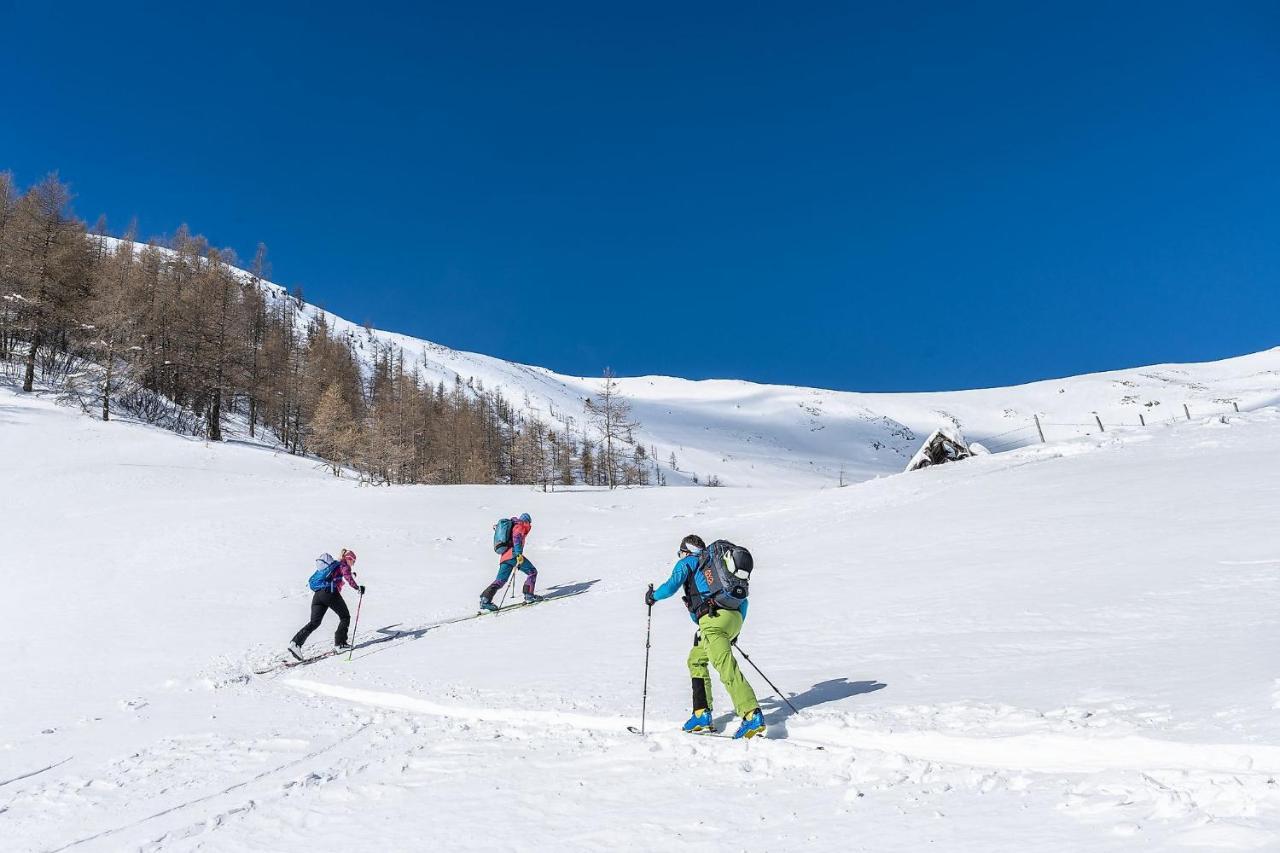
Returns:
(519, 531)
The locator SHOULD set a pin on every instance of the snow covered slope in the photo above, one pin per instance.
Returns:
(1062, 648)
(749, 434)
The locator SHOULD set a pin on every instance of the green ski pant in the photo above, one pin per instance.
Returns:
(713, 646)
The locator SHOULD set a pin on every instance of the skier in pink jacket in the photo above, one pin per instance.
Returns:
(330, 598)
(513, 558)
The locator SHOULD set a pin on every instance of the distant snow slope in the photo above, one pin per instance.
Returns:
(749, 434)
(1063, 648)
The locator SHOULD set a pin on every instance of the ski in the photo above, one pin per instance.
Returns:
(290, 664)
(456, 619)
(520, 604)
(554, 596)
(636, 731)
(724, 736)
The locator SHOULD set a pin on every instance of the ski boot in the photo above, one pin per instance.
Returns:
(295, 650)
(532, 598)
(488, 605)
(700, 722)
(752, 725)
(339, 648)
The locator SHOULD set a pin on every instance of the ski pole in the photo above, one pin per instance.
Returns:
(781, 695)
(511, 585)
(354, 627)
(644, 699)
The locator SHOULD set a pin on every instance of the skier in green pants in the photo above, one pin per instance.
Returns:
(718, 626)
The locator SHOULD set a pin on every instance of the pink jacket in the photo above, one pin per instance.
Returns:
(519, 530)
(343, 573)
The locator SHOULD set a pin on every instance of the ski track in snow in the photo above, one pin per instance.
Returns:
(36, 772)
(185, 805)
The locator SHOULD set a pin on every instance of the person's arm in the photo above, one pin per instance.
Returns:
(675, 582)
(517, 544)
(350, 578)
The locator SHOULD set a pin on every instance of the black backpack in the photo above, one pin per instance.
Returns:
(726, 570)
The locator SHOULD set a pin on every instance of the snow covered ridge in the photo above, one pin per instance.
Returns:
(749, 434)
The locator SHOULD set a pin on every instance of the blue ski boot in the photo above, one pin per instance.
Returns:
(700, 722)
(752, 725)
(486, 604)
(532, 598)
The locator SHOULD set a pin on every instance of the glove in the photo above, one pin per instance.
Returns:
(520, 561)
(361, 588)
(648, 597)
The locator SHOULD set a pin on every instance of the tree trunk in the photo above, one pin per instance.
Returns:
(608, 458)
(106, 386)
(30, 378)
(215, 416)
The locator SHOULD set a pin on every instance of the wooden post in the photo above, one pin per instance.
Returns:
(1237, 405)
(1039, 428)
(1099, 420)
(1187, 410)
(1141, 419)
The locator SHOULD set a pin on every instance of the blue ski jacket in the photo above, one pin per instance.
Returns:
(680, 573)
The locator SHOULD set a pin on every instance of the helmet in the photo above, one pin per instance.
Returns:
(348, 556)
(525, 517)
(692, 544)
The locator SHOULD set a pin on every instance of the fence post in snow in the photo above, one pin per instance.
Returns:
(1096, 417)
(1187, 410)
(1039, 429)
(1237, 405)
(1141, 419)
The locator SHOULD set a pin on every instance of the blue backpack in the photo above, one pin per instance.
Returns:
(322, 577)
(502, 535)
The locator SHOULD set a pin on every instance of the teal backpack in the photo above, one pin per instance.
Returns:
(322, 577)
(502, 539)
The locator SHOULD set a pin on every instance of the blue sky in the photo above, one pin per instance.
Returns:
(856, 196)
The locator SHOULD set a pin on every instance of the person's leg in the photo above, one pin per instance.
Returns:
(317, 616)
(717, 633)
(698, 672)
(532, 580)
(504, 573)
(337, 605)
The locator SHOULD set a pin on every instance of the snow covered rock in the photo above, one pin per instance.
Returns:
(947, 444)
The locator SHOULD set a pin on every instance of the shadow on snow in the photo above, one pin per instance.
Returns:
(394, 632)
(777, 712)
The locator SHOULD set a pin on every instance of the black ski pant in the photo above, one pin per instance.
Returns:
(320, 602)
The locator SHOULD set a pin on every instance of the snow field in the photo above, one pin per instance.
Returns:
(1068, 647)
